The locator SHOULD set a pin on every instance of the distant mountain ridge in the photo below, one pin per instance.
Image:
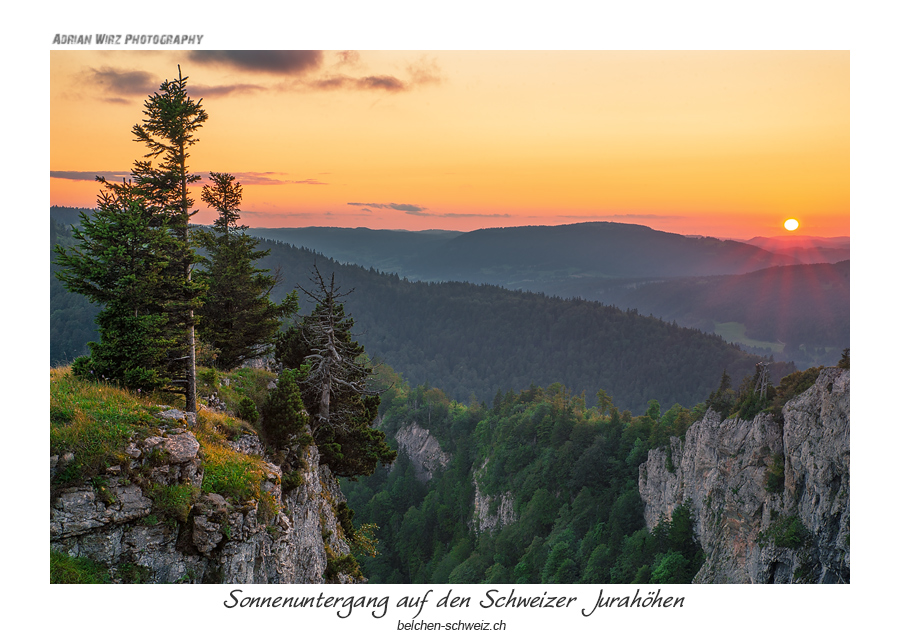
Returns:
(511, 256)
(698, 281)
(605, 249)
(807, 249)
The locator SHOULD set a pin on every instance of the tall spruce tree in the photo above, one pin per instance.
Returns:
(120, 261)
(168, 131)
(336, 388)
(236, 319)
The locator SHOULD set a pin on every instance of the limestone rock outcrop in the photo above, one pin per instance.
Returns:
(491, 512)
(423, 450)
(771, 501)
(288, 535)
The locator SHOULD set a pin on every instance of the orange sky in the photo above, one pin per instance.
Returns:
(728, 144)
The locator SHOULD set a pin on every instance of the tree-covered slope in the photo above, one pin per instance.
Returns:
(71, 315)
(557, 479)
(477, 339)
(533, 257)
(386, 250)
(800, 306)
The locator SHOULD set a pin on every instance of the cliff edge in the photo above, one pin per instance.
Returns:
(152, 518)
(770, 500)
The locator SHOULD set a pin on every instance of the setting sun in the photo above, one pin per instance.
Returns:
(791, 224)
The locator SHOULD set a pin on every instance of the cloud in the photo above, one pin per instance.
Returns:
(372, 82)
(347, 58)
(381, 82)
(628, 216)
(410, 209)
(270, 178)
(424, 71)
(123, 82)
(275, 62)
(89, 176)
(451, 215)
(244, 178)
(224, 90)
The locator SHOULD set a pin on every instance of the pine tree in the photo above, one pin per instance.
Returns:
(237, 318)
(120, 262)
(336, 392)
(172, 119)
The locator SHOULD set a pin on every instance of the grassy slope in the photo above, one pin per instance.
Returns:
(95, 422)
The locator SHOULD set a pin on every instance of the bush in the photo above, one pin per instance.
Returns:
(344, 564)
(786, 532)
(246, 410)
(283, 414)
(775, 475)
(291, 480)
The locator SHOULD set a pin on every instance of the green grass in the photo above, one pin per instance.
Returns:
(735, 332)
(67, 569)
(94, 422)
(251, 383)
(174, 500)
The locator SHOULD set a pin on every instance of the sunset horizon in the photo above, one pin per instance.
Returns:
(726, 144)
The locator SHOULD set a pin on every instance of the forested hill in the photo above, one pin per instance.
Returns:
(607, 248)
(756, 294)
(534, 257)
(472, 339)
(386, 250)
(475, 340)
(71, 315)
(801, 304)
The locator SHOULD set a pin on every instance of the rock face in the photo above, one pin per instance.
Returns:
(285, 537)
(753, 528)
(423, 450)
(491, 512)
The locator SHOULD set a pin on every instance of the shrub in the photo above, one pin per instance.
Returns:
(246, 409)
(775, 475)
(283, 413)
(268, 508)
(785, 532)
(344, 564)
(291, 480)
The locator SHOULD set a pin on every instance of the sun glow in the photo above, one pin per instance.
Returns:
(791, 224)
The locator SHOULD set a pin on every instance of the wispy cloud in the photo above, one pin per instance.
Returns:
(245, 178)
(387, 83)
(271, 178)
(398, 206)
(452, 215)
(223, 90)
(274, 62)
(347, 58)
(424, 71)
(626, 217)
(89, 176)
(118, 86)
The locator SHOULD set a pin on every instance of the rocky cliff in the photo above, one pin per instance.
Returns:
(491, 512)
(423, 450)
(148, 515)
(771, 501)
